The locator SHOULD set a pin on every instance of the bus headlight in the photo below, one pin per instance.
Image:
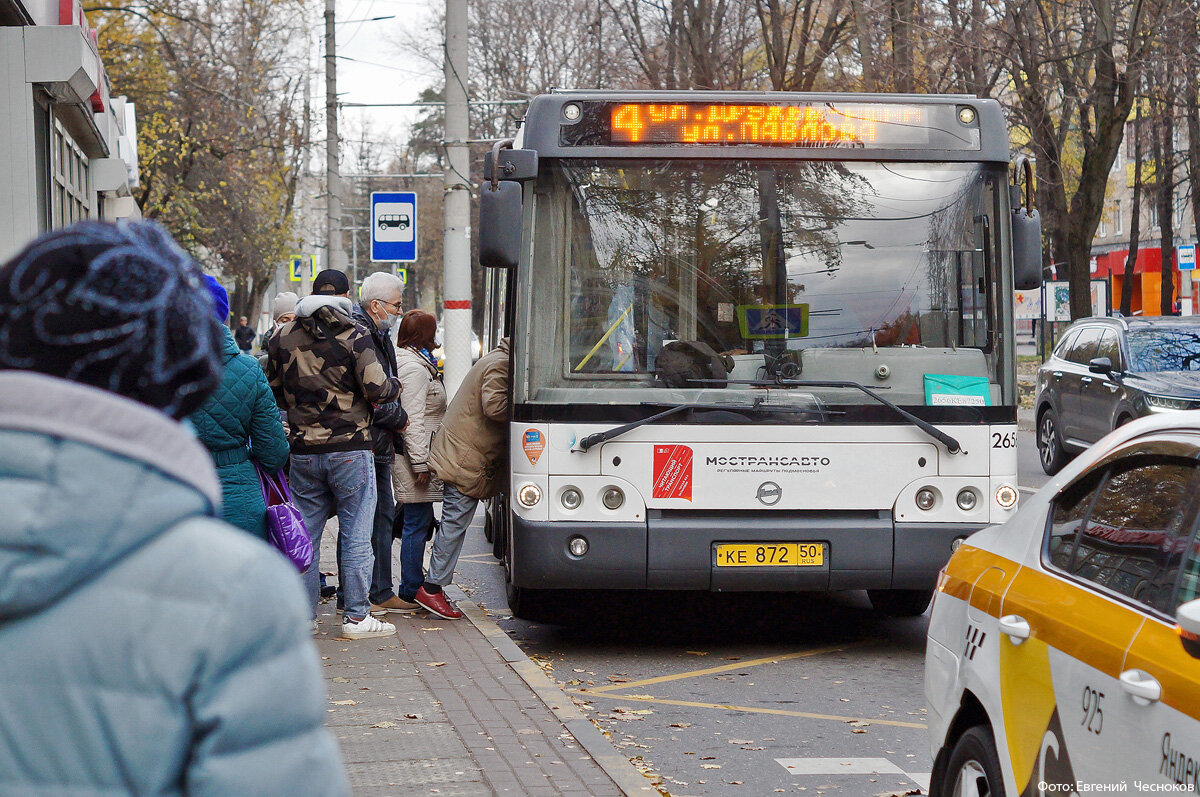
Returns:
(578, 546)
(613, 498)
(529, 495)
(967, 499)
(926, 498)
(1006, 496)
(571, 498)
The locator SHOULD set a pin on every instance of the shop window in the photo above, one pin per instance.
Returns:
(70, 185)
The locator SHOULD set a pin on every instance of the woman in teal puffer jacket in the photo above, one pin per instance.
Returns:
(240, 423)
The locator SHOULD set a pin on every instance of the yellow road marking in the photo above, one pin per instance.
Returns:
(723, 668)
(754, 710)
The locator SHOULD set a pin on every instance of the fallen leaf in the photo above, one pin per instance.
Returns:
(386, 724)
(412, 716)
(432, 628)
(618, 679)
(697, 652)
(436, 664)
(740, 741)
(344, 702)
(858, 730)
(710, 766)
(735, 783)
(340, 680)
(681, 724)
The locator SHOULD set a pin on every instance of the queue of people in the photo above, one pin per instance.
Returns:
(131, 410)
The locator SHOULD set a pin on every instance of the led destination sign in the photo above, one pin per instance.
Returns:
(797, 124)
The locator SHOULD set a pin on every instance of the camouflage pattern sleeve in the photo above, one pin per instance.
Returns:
(377, 386)
(274, 372)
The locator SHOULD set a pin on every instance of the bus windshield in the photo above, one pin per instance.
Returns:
(809, 270)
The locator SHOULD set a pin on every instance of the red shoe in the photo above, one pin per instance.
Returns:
(437, 604)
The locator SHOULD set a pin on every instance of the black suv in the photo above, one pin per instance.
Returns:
(1106, 371)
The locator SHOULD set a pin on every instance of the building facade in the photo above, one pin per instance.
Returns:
(1111, 246)
(70, 146)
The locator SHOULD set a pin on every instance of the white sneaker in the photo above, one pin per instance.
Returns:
(366, 628)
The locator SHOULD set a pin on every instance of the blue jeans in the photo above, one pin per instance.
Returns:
(381, 535)
(418, 519)
(343, 481)
(457, 512)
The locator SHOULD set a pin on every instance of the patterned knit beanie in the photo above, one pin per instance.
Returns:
(116, 306)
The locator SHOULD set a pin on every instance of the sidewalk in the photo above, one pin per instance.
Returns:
(455, 708)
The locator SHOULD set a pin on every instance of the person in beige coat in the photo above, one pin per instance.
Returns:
(469, 454)
(424, 399)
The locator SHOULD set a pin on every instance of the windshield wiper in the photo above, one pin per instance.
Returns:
(758, 405)
(952, 445)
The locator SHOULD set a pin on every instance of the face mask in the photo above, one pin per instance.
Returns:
(386, 324)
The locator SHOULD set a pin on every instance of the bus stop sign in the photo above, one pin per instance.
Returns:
(1185, 256)
(394, 227)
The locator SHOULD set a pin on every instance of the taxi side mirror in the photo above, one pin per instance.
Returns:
(1187, 625)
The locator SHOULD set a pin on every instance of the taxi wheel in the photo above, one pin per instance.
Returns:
(974, 766)
(1051, 453)
(900, 602)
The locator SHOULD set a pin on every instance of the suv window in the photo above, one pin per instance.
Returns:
(1175, 348)
(1122, 527)
(1083, 348)
(1110, 347)
(1064, 345)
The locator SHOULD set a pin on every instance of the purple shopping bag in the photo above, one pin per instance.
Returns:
(285, 525)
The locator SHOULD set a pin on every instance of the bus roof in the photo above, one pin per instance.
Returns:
(579, 124)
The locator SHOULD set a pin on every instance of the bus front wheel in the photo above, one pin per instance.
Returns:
(900, 602)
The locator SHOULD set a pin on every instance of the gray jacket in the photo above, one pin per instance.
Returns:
(145, 647)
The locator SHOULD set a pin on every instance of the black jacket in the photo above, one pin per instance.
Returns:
(391, 417)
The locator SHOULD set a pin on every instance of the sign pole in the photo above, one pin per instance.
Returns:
(456, 214)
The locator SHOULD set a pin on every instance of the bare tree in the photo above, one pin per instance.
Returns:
(798, 38)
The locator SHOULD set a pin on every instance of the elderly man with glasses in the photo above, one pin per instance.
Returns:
(378, 311)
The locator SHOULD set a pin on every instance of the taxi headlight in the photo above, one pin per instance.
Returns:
(529, 495)
(1006, 496)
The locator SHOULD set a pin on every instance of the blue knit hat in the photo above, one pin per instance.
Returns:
(220, 297)
(119, 307)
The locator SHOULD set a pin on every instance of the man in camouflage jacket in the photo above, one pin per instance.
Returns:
(325, 372)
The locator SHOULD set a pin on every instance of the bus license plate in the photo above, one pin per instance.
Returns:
(771, 554)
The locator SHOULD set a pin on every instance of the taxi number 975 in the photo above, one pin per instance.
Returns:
(771, 554)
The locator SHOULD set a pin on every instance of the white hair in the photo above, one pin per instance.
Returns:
(379, 285)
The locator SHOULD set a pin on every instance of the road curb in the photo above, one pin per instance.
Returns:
(625, 775)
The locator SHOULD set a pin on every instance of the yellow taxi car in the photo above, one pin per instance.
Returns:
(1064, 646)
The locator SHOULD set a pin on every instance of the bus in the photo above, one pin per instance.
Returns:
(759, 341)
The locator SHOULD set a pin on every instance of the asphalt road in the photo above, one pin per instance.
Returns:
(744, 694)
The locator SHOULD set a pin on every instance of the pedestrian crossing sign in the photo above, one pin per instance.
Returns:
(773, 321)
(302, 266)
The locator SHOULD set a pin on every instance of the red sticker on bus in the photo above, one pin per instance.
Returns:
(672, 472)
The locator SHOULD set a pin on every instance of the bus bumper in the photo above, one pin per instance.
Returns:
(677, 550)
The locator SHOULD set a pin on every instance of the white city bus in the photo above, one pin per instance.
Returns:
(760, 341)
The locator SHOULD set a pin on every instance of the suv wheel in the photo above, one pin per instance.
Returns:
(1049, 443)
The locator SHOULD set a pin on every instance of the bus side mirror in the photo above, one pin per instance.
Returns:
(1026, 230)
(1027, 249)
(500, 224)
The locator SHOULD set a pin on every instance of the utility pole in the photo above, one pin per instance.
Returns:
(456, 213)
(335, 257)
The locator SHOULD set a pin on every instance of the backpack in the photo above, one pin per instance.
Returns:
(682, 362)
